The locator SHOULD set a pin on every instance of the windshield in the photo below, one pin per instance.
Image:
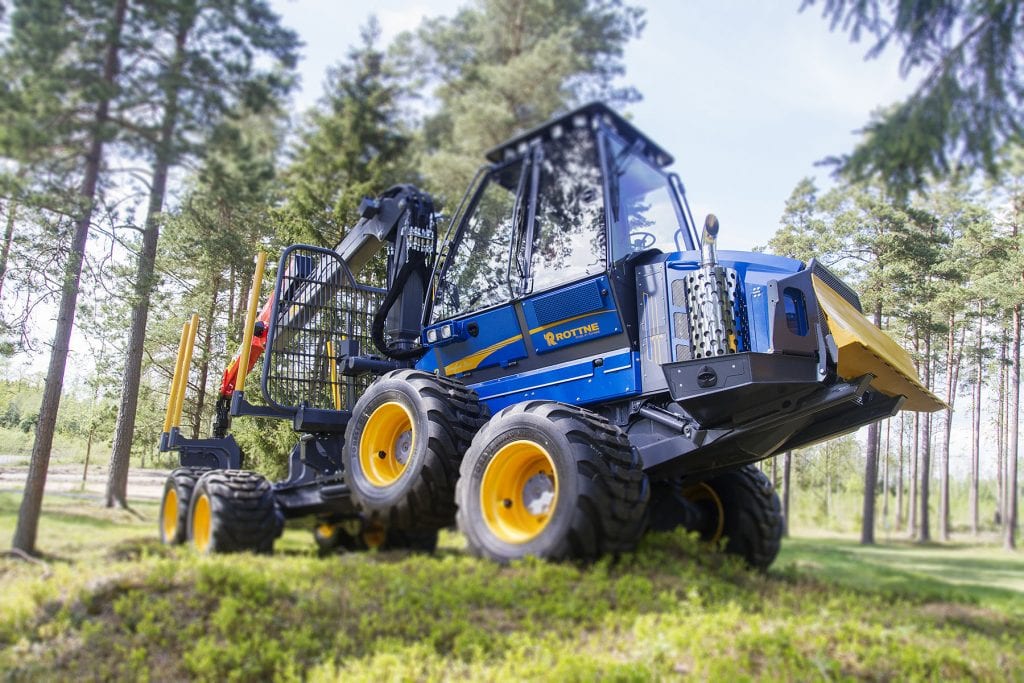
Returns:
(647, 215)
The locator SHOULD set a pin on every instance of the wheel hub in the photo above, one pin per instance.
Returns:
(538, 493)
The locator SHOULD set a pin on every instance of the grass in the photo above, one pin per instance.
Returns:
(112, 603)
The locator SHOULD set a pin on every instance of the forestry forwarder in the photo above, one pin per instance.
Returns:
(571, 368)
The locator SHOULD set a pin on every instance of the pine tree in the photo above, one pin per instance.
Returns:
(353, 144)
(48, 82)
(209, 68)
(970, 100)
(501, 66)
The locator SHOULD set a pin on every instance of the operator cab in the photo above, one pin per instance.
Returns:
(540, 260)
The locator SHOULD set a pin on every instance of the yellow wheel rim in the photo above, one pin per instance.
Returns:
(386, 445)
(325, 531)
(701, 492)
(201, 523)
(169, 516)
(519, 491)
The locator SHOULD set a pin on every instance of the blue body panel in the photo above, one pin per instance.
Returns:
(578, 382)
(571, 315)
(498, 341)
(554, 321)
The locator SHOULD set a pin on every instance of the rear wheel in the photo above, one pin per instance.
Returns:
(173, 522)
(355, 536)
(551, 480)
(403, 446)
(233, 511)
(752, 515)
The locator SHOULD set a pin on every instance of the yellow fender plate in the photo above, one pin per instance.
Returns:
(864, 349)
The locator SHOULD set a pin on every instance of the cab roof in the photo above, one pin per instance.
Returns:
(587, 115)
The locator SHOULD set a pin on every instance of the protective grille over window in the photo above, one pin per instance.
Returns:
(320, 314)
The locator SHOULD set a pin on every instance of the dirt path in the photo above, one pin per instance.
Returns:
(142, 484)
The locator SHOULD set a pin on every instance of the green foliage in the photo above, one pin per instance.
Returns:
(351, 145)
(969, 102)
(499, 67)
(126, 607)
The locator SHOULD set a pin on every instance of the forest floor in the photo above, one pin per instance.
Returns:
(106, 600)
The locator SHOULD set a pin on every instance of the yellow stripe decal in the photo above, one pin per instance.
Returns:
(471, 361)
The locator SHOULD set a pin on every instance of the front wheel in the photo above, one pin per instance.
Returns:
(550, 480)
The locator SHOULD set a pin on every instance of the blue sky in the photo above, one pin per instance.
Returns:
(746, 95)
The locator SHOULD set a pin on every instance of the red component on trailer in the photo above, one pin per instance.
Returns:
(257, 346)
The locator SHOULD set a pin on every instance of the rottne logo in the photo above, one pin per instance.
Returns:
(553, 338)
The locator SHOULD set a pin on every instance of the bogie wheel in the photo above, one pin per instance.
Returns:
(752, 515)
(233, 511)
(551, 480)
(336, 537)
(173, 522)
(403, 446)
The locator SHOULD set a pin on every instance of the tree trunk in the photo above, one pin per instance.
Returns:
(88, 453)
(924, 532)
(1013, 426)
(5, 250)
(899, 480)
(786, 483)
(204, 363)
(32, 501)
(117, 477)
(867, 526)
(976, 425)
(914, 460)
(885, 475)
(951, 377)
(1001, 437)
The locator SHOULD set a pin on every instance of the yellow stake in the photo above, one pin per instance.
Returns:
(186, 364)
(335, 389)
(250, 322)
(172, 398)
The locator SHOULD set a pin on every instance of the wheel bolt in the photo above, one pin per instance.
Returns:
(507, 502)
(382, 455)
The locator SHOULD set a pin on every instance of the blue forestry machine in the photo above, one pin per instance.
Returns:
(571, 366)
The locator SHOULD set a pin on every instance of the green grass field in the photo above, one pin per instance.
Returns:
(111, 603)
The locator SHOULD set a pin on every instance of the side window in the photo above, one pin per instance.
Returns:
(569, 230)
(477, 272)
(647, 215)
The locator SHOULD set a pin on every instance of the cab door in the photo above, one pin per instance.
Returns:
(542, 319)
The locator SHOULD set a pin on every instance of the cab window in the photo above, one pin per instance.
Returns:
(647, 215)
(477, 275)
(568, 232)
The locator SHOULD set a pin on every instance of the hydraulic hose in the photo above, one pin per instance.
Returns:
(379, 319)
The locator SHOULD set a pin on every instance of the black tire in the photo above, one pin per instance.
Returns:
(752, 515)
(596, 490)
(233, 511)
(441, 415)
(173, 520)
